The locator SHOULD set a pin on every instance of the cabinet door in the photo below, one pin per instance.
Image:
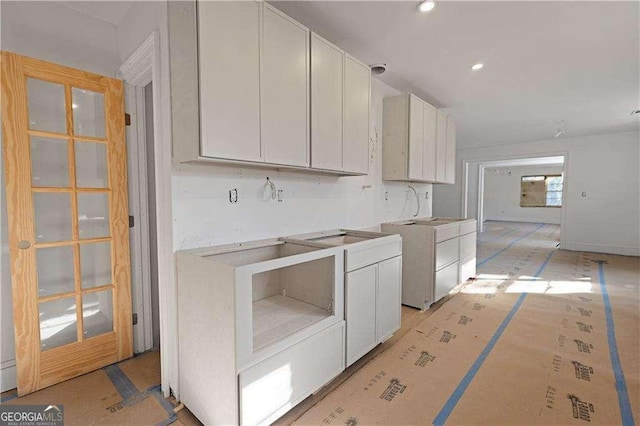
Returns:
(450, 161)
(388, 306)
(441, 146)
(360, 312)
(326, 104)
(429, 145)
(284, 90)
(416, 137)
(357, 84)
(229, 57)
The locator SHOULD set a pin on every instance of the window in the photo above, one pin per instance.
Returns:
(541, 191)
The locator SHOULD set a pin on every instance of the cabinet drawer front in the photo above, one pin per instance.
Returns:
(446, 232)
(446, 279)
(360, 257)
(446, 252)
(272, 387)
(467, 227)
(468, 246)
(360, 302)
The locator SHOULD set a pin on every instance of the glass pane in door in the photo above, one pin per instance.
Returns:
(52, 216)
(95, 264)
(88, 112)
(58, 323)
(49, 162)
(93, 215)
(91, 165)
(97, 313)
(47, 111)
(55, 270)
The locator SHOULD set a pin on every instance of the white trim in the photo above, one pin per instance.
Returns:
(521, 219)
(8, 375)
(603, 248)
(480, 209)
(138, 68)
(153, 55)
(137, 72)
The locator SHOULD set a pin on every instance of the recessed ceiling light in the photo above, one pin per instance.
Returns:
(477, 67)
(427, 5)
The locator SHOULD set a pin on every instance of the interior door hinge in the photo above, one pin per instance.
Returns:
(131, 221)
(127, 119)
(135, 319)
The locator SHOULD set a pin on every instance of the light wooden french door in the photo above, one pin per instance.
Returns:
(66, 185)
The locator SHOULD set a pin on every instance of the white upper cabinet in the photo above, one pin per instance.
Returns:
(284, 90)
(252, 86)
(357, 92)
(416, 137)
(229, 57)
(429, 143)
(326, 104)
(450, 158)
(412, 140)
(441, 147)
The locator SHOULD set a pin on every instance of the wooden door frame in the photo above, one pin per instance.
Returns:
(148, 64)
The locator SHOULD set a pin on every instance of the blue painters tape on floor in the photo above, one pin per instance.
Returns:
(496, 238)
(621, 384)
(8, 398)
(451, 403)
(509, 245)
(124, 386)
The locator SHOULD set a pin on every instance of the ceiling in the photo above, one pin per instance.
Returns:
(544, 62)
(111, 12)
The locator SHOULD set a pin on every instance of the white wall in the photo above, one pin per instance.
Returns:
(605, 167)
(502, 195)
(203, 215)
(49, 31)
(52, 32)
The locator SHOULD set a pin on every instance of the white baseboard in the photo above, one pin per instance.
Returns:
(8, 376)
(601, 248)
(521, 219)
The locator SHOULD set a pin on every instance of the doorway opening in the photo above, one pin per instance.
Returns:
(141, 134)
(529, 190)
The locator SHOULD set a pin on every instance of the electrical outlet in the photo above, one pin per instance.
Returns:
(386, 195)
(279, 195)
(426, 195)
(233, 196)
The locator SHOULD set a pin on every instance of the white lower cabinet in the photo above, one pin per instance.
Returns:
(373, 285)
(260, 327)
(372, 306)
(439, 253)
(272, 387)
